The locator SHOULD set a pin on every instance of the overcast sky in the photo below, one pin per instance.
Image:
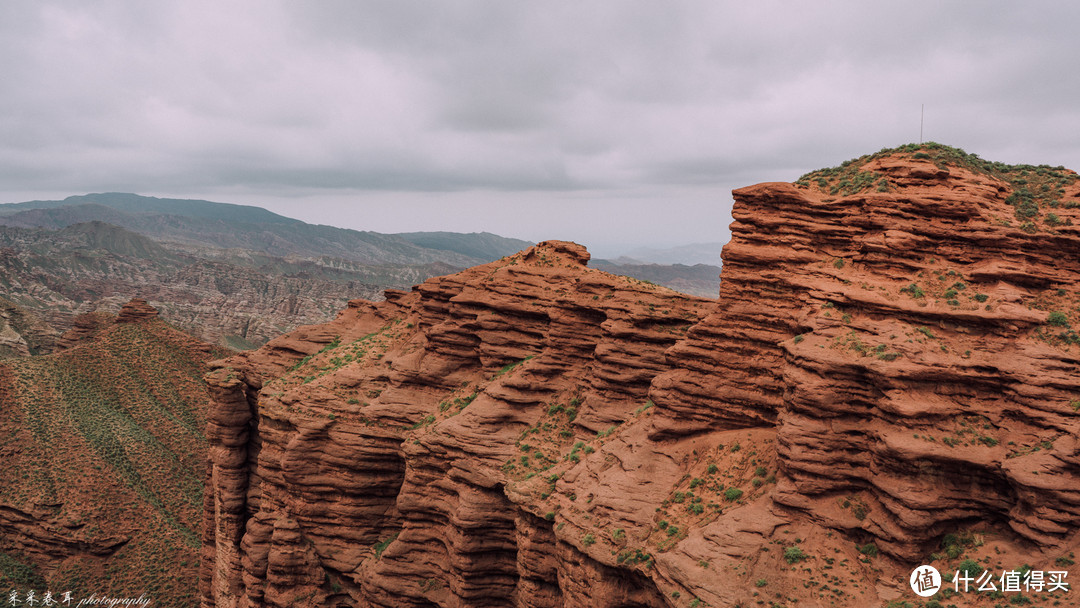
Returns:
(615, 124)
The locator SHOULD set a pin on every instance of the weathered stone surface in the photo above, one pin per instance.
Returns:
(136, 310)
(882, 368)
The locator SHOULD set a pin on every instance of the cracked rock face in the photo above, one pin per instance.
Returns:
(888, 378)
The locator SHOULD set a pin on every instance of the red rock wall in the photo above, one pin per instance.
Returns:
(534, 433)
(308, 475)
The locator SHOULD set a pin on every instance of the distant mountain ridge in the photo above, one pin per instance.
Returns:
(701, 280)
(136, 203)
(230, 297)
(689, 255)
(229, 226)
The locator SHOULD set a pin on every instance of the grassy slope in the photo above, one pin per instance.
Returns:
(108, 443)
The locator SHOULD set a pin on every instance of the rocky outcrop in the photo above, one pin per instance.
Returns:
(136, 310)
(84, 327)
(22, 333)
(318, 489)
(887, 379)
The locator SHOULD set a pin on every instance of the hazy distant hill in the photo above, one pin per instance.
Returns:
(232, 297)
(695, 253)
(698, 280)
(480, 245)
(223, 225)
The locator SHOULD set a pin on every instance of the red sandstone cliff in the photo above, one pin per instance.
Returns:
(888, 378)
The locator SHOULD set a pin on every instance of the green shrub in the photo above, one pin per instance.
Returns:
(971, 567)
(733, 494)
(913, 290)
(1058, 319)
(794, 554)
(981, 297)
(382, 545)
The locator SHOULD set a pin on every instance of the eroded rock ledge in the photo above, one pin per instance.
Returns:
(889, 361)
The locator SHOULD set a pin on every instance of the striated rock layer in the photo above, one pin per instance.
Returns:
(887, 379)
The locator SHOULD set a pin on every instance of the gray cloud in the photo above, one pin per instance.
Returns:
(316, 109)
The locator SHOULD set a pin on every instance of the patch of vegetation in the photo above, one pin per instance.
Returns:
(970, 567)
(509, 367)
(425, 421)
(607, 431)
(1057, 319)
(19, 572)
(383, 544)
(913, 290)
(794, 554)
(634, 556)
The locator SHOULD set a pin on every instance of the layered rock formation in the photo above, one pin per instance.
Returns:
(22, 333)
(137, 309)
(887, 379)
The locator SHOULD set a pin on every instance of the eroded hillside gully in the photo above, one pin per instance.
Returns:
(887, 379)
